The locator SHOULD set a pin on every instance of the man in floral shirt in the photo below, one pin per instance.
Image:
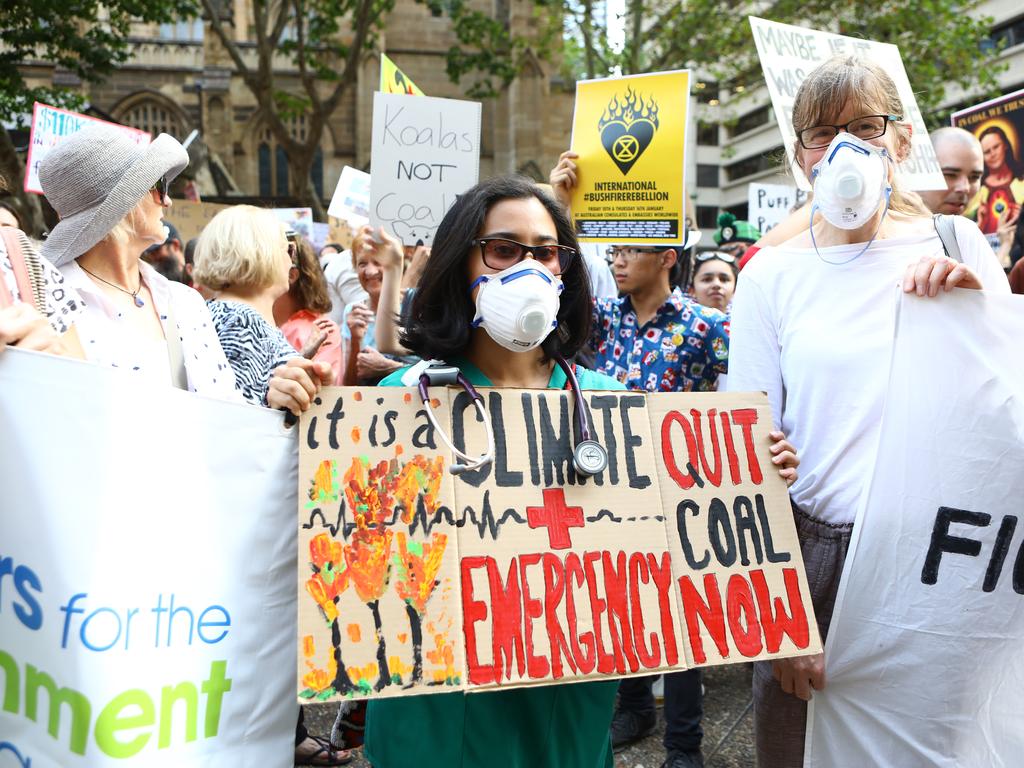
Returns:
(655, 337)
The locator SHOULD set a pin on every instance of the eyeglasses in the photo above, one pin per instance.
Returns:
(293, 252)
(866, 127)
(628, 254)
(163, 188)
(500, 254)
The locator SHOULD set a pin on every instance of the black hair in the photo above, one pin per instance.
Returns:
(14, 212)
(1014, 163)
(697, 264)
(442, 308)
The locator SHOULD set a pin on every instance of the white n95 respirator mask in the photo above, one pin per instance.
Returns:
(850, 181)
(518, 306)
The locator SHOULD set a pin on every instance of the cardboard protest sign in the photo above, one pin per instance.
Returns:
(630, 135)
(426, 152)
(51, 125)
(414, 579)
(191, 217)
(147, 612)
(394, 80)
(769, 204)
(298, 219)
(999, 126)
(923, 654)
(789, 54)
(351, 199)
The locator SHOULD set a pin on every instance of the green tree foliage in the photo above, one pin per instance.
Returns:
(941, 45)
(85, 38)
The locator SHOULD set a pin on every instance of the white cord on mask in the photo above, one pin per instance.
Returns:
(861, 252)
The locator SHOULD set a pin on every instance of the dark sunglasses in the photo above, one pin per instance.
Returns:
(499, 254)
(163, 188)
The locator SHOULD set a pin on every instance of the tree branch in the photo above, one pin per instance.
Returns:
(213, 11)
(364, 20)
(300, 37)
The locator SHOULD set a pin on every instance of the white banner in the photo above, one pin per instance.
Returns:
(426, 152)
(147, 574)
(351, 200)
(923, 658)
(769, 204)
(789, 54)
(51, 125)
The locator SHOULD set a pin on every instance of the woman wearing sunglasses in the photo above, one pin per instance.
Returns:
(505, 293)
(111, 195)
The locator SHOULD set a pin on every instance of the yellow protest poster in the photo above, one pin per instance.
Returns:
(394, 80)
(630, 135)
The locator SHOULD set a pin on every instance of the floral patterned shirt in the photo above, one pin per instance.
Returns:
(683, 348)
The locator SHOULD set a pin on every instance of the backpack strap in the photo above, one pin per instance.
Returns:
(16, 257)
(946, 230)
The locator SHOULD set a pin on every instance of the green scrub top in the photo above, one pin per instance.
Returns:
(554, 726)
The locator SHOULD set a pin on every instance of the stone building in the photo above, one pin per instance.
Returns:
(180, 78)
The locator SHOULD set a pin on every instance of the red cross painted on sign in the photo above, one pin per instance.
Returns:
(556, 517)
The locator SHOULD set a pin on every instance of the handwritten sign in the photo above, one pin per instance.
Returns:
(630, 135)
(789, 54)
(50, 126)
(351, 200)
(924, 645)
(191, 217)
(394, 80)
(999, 126)
(160, 638)
(415, 580)
(769, 204)
(426, 152)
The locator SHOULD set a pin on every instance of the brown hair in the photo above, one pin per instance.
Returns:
(310, 289)
(849, 80)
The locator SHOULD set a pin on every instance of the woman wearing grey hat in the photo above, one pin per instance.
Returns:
(110, 194)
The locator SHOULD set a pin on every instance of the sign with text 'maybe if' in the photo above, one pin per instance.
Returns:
(924, 662)
(630, 135)
(789, 54)
(414, 580)
(147, 556)
(426, 152)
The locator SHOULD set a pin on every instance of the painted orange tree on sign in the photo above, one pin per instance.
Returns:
(378, 497)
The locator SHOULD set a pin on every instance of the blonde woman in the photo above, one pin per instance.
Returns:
(812, 325)
(244, 258)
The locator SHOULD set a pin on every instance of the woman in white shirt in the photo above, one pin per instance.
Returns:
(812, 325)
(111, 194)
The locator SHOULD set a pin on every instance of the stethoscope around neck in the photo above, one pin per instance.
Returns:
(589, 457)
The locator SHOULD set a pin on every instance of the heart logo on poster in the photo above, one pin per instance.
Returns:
(627, 128)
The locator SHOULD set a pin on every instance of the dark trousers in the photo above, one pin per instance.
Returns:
(684, 706)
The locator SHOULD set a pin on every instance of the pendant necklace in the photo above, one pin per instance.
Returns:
(134, 294)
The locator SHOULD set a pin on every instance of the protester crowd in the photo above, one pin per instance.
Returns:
(250, 313)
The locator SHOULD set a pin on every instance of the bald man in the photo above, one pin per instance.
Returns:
(959, 155)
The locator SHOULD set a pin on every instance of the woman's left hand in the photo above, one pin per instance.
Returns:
(293, 385)
(784, 456)
(932, 273)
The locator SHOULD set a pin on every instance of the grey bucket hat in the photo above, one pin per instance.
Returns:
(95, 178)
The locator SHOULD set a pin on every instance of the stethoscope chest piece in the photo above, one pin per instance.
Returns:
(589, 457)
